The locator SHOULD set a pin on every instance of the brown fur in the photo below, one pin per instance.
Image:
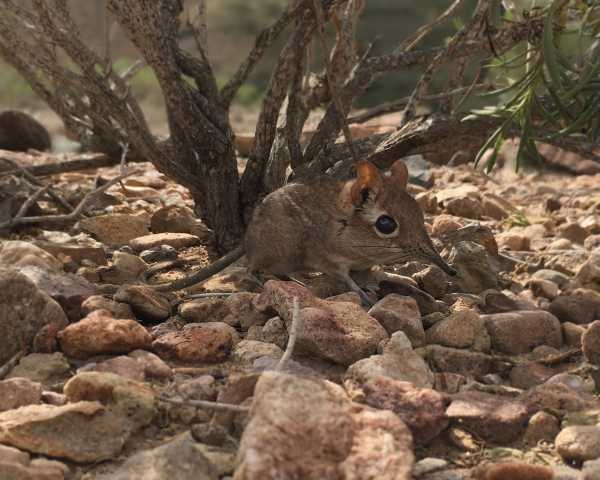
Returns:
(20, 132)
(328, 226)
(512, 471)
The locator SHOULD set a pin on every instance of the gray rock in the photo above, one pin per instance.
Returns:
(18, 392)
(398, 313)
(45, 368)
(579, 443)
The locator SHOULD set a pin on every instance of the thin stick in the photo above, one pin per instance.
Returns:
(31, 178)
(320, 16)
(8, 366)
(30, 202)
(229, 407)
(71, 216)
(293, 334)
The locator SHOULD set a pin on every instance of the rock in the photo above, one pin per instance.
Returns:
(338, 331)
(557, 398)
(542, 427)
(398, 362)
(17, 471)
(512, 470)
(398, 313)
(89, 252)
(154, 366)
(100, 333)
(147, 304)
(544, 288)
(21, 132)
(397, 284)
(493, 418)
(100, 302)
(433, 280)
(175, 240)
(208, 342)
(494, 207)
(249, 350)
(581, 306)
(590, 343)
(124, 366)
(18, 254)
(178, 219)
(158, 254)
(520, 332)
(115, 229)
(200, 388)
(572, 334)
(591, 470)
(83, 432)
(464, 207)
(592, 242)
(422, 409)
(553, 276)
(13, 455)
(203, 310)
(307, 428)
(513, 241)
(462, 329)
(428, 465)
(132, 401)
(179, 459)
(473, 232)
(68, 289)
(443, 224)
(18, 392)
(588, 275)
(242, 311)
(574, 232)
(125, 268)
(44, 368)
(579, 443)
(274, 331)
(25, 311)
(475, 273)
(529, 374)
(462, 362)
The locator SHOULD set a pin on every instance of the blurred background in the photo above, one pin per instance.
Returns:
(232, 28)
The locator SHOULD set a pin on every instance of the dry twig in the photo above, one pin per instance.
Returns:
(229, 407)
(292, 335)
(10, 364)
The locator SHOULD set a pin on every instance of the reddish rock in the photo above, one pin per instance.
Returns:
(422, 409)
(396, 312)
(494, 418)
(175, 240)
(521, 332)
(124, 366)
(574, 232)
(208, 342)
(443, 224)
(100, 333)
(307, 428)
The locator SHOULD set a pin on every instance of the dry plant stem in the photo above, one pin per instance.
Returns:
(292, 335)
(30, 202)
(31, 179)
(10, 364)
(331, 81)
(203, 273)
(70, 216)
(411, 42)
(468, 32)
(397, 105)
(206, 404)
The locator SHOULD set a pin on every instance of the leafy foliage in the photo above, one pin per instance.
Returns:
(549, 89)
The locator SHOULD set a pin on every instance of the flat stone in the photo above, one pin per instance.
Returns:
(462, 362)
(76, 252)
(520, 332)
(493, 418)
(175, 240)
(83, 432)
(100, 333)
(18, 254)
(115, 229)
(209, 342)
(122, 365)
(154, 366)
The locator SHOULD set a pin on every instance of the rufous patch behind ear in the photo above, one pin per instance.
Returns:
(400, 173)
(368, 181)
